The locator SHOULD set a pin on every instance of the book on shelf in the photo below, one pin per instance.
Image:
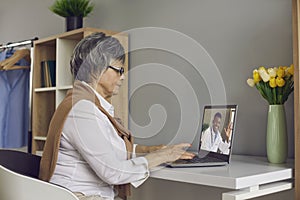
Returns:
(48, 71)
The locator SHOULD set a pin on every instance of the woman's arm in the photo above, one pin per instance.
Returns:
(142, 149)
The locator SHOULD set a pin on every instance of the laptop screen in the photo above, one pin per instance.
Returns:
(218, 124)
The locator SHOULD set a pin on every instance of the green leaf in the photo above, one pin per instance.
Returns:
(260, 87)
(67, 8)
(274, 93)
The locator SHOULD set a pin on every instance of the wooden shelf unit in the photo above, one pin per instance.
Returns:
(46, 99)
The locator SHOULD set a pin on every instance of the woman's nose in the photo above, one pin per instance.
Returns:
(122, 77)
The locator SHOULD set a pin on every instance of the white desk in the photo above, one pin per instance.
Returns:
(248, 176)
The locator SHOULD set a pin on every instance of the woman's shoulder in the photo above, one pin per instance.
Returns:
(86, 108)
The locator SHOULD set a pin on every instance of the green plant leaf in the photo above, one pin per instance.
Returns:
(204, 127)
(67, 8)
(274, 94)
(262, 91)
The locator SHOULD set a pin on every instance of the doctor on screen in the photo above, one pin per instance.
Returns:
(212, 140)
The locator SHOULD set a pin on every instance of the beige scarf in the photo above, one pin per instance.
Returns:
(50, 153)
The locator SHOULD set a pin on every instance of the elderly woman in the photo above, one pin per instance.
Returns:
(88, 151)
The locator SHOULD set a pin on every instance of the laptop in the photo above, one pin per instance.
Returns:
(216, 137)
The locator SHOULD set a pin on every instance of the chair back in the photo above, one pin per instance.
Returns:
(14, 186)
(20, 162)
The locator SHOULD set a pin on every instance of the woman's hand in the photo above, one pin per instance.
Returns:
(169, 154)
(176, 152)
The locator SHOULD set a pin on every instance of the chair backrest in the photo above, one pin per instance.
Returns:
(14, 186)
(20, 162)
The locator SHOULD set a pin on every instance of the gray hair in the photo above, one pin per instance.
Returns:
(93, 54)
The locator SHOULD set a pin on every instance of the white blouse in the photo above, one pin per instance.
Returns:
(92, 157)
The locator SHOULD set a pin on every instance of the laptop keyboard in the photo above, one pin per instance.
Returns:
(197, 159)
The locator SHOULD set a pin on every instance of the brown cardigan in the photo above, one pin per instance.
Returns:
(50, 153)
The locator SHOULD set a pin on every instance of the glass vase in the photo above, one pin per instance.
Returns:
(277, 147)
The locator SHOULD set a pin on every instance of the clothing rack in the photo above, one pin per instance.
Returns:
(17, 44)
(20, 43)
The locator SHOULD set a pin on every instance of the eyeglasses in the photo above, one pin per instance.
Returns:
(120, 70)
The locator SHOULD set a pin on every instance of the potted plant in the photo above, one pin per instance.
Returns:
(73, 10)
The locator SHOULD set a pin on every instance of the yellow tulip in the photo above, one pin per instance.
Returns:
(250, 82)
(277, 82)
(280, 72)
(272, 72)
(256, 76)
(263, 74)
(290, 70)
(272, 82)
(280, 81)
(262, 67)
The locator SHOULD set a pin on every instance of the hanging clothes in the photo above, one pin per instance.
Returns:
(14, 106)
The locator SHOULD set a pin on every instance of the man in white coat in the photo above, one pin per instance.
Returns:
(212, 140)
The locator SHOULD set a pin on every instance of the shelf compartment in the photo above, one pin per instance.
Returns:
(43, 52)
(60, 95)
(42, 111)
(64, 52)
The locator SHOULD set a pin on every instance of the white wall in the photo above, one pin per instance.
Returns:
(238, 35)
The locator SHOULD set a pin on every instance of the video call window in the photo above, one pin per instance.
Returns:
(217, 130)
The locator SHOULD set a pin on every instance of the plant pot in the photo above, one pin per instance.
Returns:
(73, 22)
(277, 147)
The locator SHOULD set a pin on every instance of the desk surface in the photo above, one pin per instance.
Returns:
(242, 172)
